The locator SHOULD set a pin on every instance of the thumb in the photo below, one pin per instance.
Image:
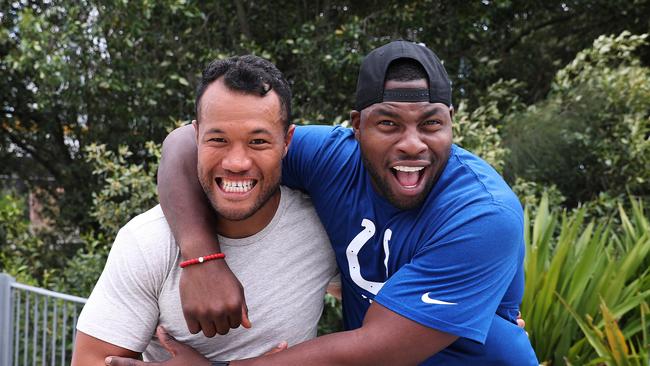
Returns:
(122, 361)
(166, 340)
(279, 348)
(245, 322)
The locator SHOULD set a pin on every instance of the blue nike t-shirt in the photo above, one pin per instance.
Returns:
(454, 264)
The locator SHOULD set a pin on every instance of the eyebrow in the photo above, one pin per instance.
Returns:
(432, 112)
(385, 112)
(254, 132)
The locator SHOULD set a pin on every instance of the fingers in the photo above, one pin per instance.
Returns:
(279, 348)
(122, 361)
(521, 323)
(234, 319)
(192, 325)
(209, 327)
(245, 321)
(167, 340)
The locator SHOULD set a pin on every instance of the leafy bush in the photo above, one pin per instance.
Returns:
(128, 190)
(479, 130)
(592, 133)
(27, 254)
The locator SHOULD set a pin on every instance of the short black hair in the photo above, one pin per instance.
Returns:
(248, 74)
(405, 69)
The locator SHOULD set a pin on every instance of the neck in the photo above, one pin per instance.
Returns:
(237, 229)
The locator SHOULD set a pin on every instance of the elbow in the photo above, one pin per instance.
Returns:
(178, 152)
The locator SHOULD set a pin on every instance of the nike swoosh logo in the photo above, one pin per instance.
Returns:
(428, 300)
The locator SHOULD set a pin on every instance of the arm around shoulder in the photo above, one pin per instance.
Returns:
(209, 306)
(182, 199)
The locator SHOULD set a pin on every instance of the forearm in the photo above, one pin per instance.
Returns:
(386, 338)
(90, 351)
(182, 199)
(343, 348)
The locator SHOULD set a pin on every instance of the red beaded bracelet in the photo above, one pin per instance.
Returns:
(206, 258)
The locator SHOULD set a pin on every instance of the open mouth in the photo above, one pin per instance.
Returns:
(236, 185)
(408, 176)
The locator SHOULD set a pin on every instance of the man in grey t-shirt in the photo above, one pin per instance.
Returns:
(271, 237)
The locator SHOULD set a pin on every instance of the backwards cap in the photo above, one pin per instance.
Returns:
(372, 76)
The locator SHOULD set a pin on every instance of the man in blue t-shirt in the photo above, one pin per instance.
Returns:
(427, 236)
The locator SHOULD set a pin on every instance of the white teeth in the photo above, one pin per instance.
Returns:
(402, 168)
(237, 186)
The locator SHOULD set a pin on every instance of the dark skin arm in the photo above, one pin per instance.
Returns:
(90, 351)
(386, 338)
(209, 305)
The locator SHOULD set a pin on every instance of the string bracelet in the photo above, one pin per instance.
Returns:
(199, 260)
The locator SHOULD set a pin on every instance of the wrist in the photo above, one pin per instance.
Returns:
(215, 267)
(194, 248)
(202, 259)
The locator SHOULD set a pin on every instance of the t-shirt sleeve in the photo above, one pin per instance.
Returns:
(300, 165)
(458, 277)
(123, 308)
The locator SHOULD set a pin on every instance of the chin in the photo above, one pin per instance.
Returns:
(234, 214)
(404, 203)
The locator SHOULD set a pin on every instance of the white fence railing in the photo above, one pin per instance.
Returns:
(37, 326)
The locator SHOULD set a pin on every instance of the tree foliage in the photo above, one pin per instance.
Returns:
(118, 73)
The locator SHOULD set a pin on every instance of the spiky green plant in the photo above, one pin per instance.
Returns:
(584, 265)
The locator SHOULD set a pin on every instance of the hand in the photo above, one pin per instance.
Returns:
(279, 348)
(521, 322)
(212, 299)
(182, 355)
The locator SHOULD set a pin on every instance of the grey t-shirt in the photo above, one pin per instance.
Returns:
(285, 269)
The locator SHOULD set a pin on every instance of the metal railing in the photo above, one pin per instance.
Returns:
(37, 326)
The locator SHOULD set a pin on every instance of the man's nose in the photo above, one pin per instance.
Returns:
(237, 160)
(411, 143)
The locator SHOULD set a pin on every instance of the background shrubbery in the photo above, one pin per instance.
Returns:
(90, 89)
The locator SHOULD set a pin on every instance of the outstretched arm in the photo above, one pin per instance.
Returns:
(212, 297)
(386, 338)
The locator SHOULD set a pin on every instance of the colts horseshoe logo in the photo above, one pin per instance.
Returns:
(352, 253)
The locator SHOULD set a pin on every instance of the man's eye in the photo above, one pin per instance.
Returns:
(387, 123)
(431, 122)
(258, 142)
(217, 139)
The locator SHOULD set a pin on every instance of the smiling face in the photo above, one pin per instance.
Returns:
(241, 141)
(404, 145)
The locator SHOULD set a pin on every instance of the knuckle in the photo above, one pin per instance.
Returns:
(209, 333)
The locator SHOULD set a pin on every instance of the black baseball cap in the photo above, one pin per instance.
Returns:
(372, 76)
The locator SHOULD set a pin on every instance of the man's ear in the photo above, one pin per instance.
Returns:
(355, 121)
(451, 112)
(195, 123)
(287, 138)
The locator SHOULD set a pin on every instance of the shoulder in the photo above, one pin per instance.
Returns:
(468, 181)
(147, 238)
(300, 218)
(298, 206)
(322, 131)
(149, 227)
(322, 137)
